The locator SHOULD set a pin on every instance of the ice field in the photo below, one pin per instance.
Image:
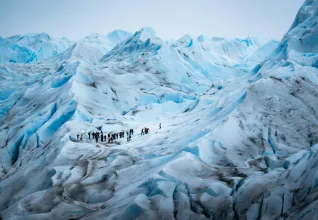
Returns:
(239, 126)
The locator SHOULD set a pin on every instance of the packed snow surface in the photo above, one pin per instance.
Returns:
(238, 137)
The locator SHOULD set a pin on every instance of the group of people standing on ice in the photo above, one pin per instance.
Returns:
(110, 137)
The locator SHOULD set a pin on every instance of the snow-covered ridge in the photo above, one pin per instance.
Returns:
(31, 48)
(38, 47)
(95, 46)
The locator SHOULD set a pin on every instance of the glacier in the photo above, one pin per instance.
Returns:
(31, 48)
(239, 126)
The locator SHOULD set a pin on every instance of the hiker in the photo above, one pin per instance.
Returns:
(96, 138)
(142, 131)
(108, 138)
(132, 131)
(77, 137)
(93, 135)
(105, 137)
(89, 135)
(102, 138)
(160, 126)
(81, 138)
(128, 138)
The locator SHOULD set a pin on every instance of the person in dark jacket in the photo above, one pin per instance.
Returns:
(89, 135)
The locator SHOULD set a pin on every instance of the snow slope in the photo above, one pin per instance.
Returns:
(216, 56)
(94, 46)
(237, 138)
(279, 117)
(283, 120)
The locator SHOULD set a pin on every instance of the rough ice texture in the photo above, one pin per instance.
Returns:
(239, 127)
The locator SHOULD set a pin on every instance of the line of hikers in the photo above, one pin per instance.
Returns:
(106, 138)
(112, 136)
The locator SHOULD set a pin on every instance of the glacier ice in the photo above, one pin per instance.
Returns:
(30, 48)
(238, 137)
